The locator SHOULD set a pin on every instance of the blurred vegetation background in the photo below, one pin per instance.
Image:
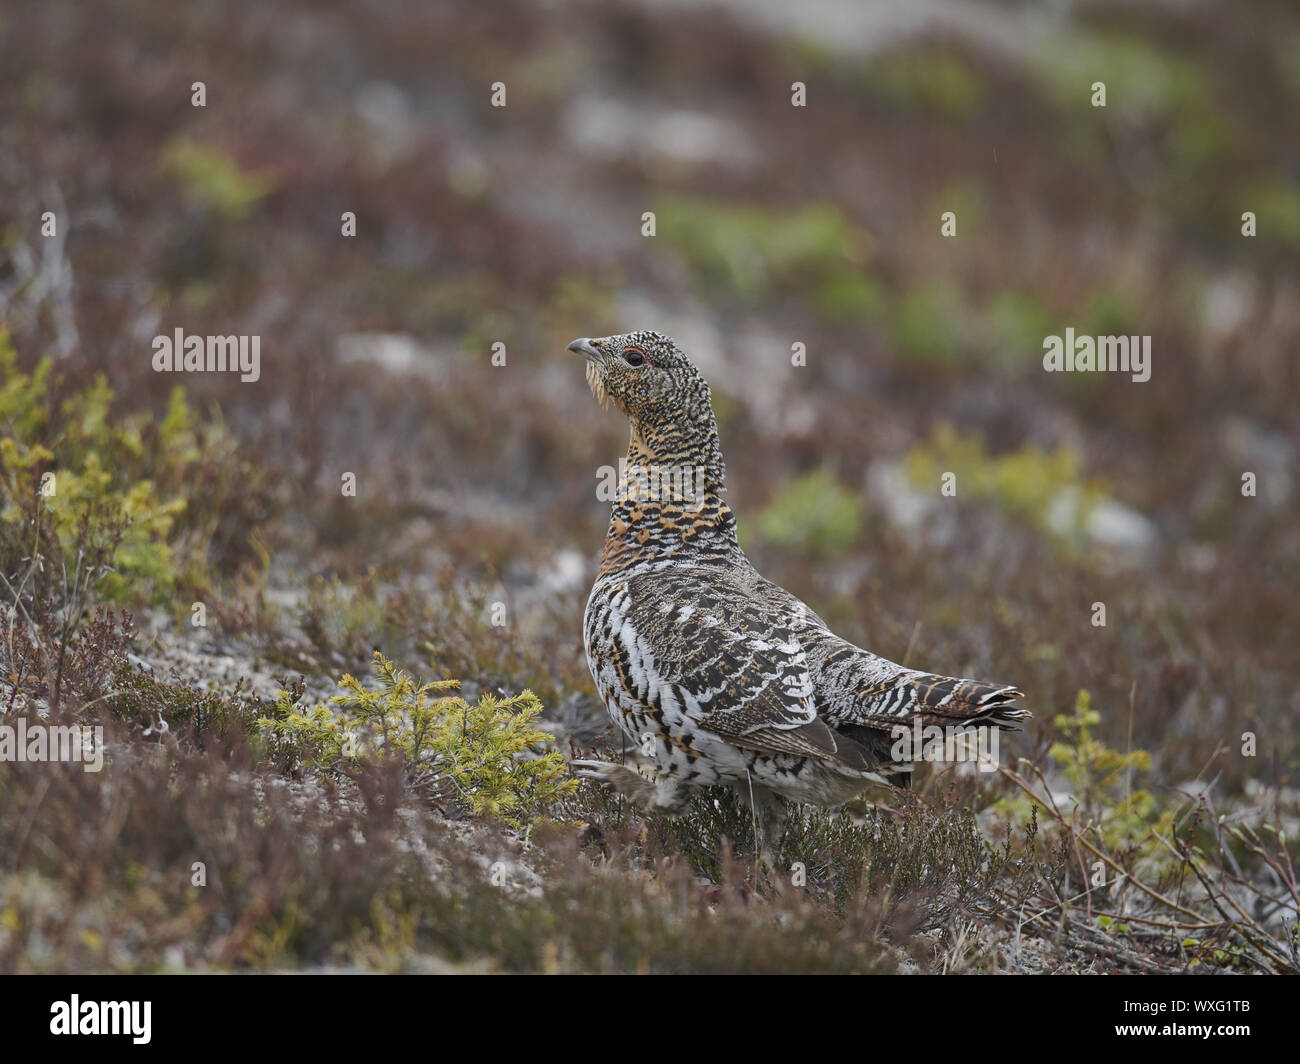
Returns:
(775, 225)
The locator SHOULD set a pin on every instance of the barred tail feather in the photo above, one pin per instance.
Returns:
(949, 700)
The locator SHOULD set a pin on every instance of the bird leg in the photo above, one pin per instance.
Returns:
(663, 795)
(771, 813)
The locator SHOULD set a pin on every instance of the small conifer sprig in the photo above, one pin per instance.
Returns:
(486, 757)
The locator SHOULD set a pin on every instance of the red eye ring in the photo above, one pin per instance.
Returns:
(633, 356)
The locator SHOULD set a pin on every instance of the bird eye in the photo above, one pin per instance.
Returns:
(634, 356)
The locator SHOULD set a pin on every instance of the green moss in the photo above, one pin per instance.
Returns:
(1276, 203)
(211, 179)
(1140, 77)
(849, 295)
(811, 253)
(813, 512)
(1025, 483)
(585, 299)
(1289, 62)
(930, 323)
(929, 79)
(485, 328)
(967, 199)
(1016, 323)
(1108, 312)
(805, 56)
(1145, 83)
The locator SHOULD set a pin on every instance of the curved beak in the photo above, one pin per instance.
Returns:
(584, 346)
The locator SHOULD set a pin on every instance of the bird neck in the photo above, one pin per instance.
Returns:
(668, 503)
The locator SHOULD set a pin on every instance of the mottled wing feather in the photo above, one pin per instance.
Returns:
(810, 740)
(737, 660)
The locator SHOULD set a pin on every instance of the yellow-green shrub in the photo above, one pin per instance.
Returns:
(106, 505)
(486, 757)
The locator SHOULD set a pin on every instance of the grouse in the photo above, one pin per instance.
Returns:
(715, 674)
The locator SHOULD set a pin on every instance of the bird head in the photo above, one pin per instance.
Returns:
(650, 379)
(644, 373)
